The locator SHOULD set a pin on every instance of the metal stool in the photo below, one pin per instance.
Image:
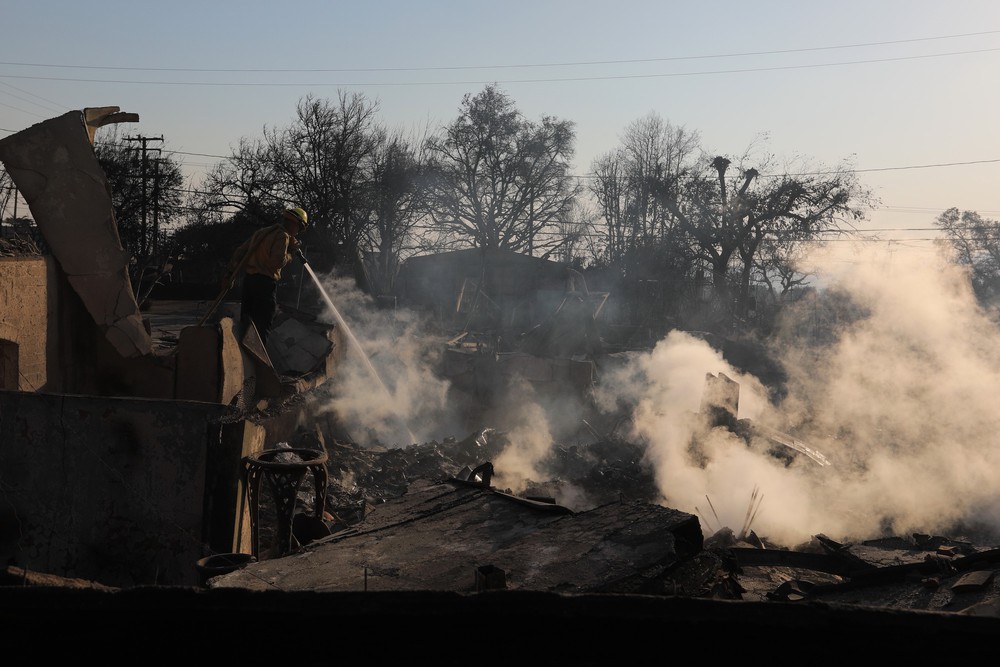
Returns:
(283, 478)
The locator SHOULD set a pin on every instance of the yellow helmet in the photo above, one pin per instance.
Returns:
(298, 215)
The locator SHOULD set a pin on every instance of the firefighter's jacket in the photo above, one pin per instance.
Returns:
(269, 251)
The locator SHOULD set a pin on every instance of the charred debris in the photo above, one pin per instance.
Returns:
(562, 352)
(914, 572)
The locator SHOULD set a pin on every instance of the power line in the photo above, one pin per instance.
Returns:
(892, 209)
(503, 66)
(595, 176)
(30, 113)
(912, 166)
(609, 77)
(807, 173)
(840, 171)
(20, 90)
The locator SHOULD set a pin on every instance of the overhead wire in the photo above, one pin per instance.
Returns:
(538, 65)
(609, 77)
(502, 66)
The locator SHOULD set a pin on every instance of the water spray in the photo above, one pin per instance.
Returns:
(353, 341)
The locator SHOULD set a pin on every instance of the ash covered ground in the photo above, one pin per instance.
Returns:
(578, 476)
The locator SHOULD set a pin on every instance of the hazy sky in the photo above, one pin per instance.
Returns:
(890, 85)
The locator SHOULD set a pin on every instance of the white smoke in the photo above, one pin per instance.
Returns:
(387, 391)
(892, 369)
(530, 442)
(901, 400)
(908, 392)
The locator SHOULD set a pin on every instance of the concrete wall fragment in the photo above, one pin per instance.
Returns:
(55, 168)
(28, 319)
(111, 490)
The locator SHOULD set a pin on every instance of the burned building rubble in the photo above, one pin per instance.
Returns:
(125, 433)
(377, 495)
(122, 428)
(418, 543)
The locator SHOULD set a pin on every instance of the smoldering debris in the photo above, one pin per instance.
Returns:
(578, 476)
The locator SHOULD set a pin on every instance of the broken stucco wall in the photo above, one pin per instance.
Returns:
(48, 341)
(54, 167)
(112, 490)
(28, 319)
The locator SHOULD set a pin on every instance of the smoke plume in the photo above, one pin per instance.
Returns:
(387, 391)
(891, 372)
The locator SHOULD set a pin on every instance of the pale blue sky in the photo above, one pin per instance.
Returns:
(914, 82)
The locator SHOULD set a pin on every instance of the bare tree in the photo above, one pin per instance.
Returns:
(727, 217)
(777, 267)
(500, 180)
(975, 243)
(322, 164)
(628, 184)
(246, 182)
(394, 202)
(614, 198)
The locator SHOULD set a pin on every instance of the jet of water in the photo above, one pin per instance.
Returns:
(357, 347)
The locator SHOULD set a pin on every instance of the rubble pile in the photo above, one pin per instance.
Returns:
(360, 477)
(927, 572)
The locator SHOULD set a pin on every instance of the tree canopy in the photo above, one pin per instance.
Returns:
(673, 212)
(499, 180)
(659, 209)
(975, 243)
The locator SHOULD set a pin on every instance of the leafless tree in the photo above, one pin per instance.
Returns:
(322, 164)
(321, 161)
(975, 243)
(394, 202)
(498, 179)
(727, 218)
(628, 185)
(246, 182)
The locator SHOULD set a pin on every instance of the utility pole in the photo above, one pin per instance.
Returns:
(144, 141)
(156, 205)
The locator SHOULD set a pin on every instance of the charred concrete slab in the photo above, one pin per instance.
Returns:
(232, 362)
(198, 351)
(54, 167)
(721, 399)
(108, 489)
(436, 536)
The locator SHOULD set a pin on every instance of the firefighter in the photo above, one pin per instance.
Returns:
(260, 259)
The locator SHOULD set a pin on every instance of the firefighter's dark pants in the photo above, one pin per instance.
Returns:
(259, 303)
